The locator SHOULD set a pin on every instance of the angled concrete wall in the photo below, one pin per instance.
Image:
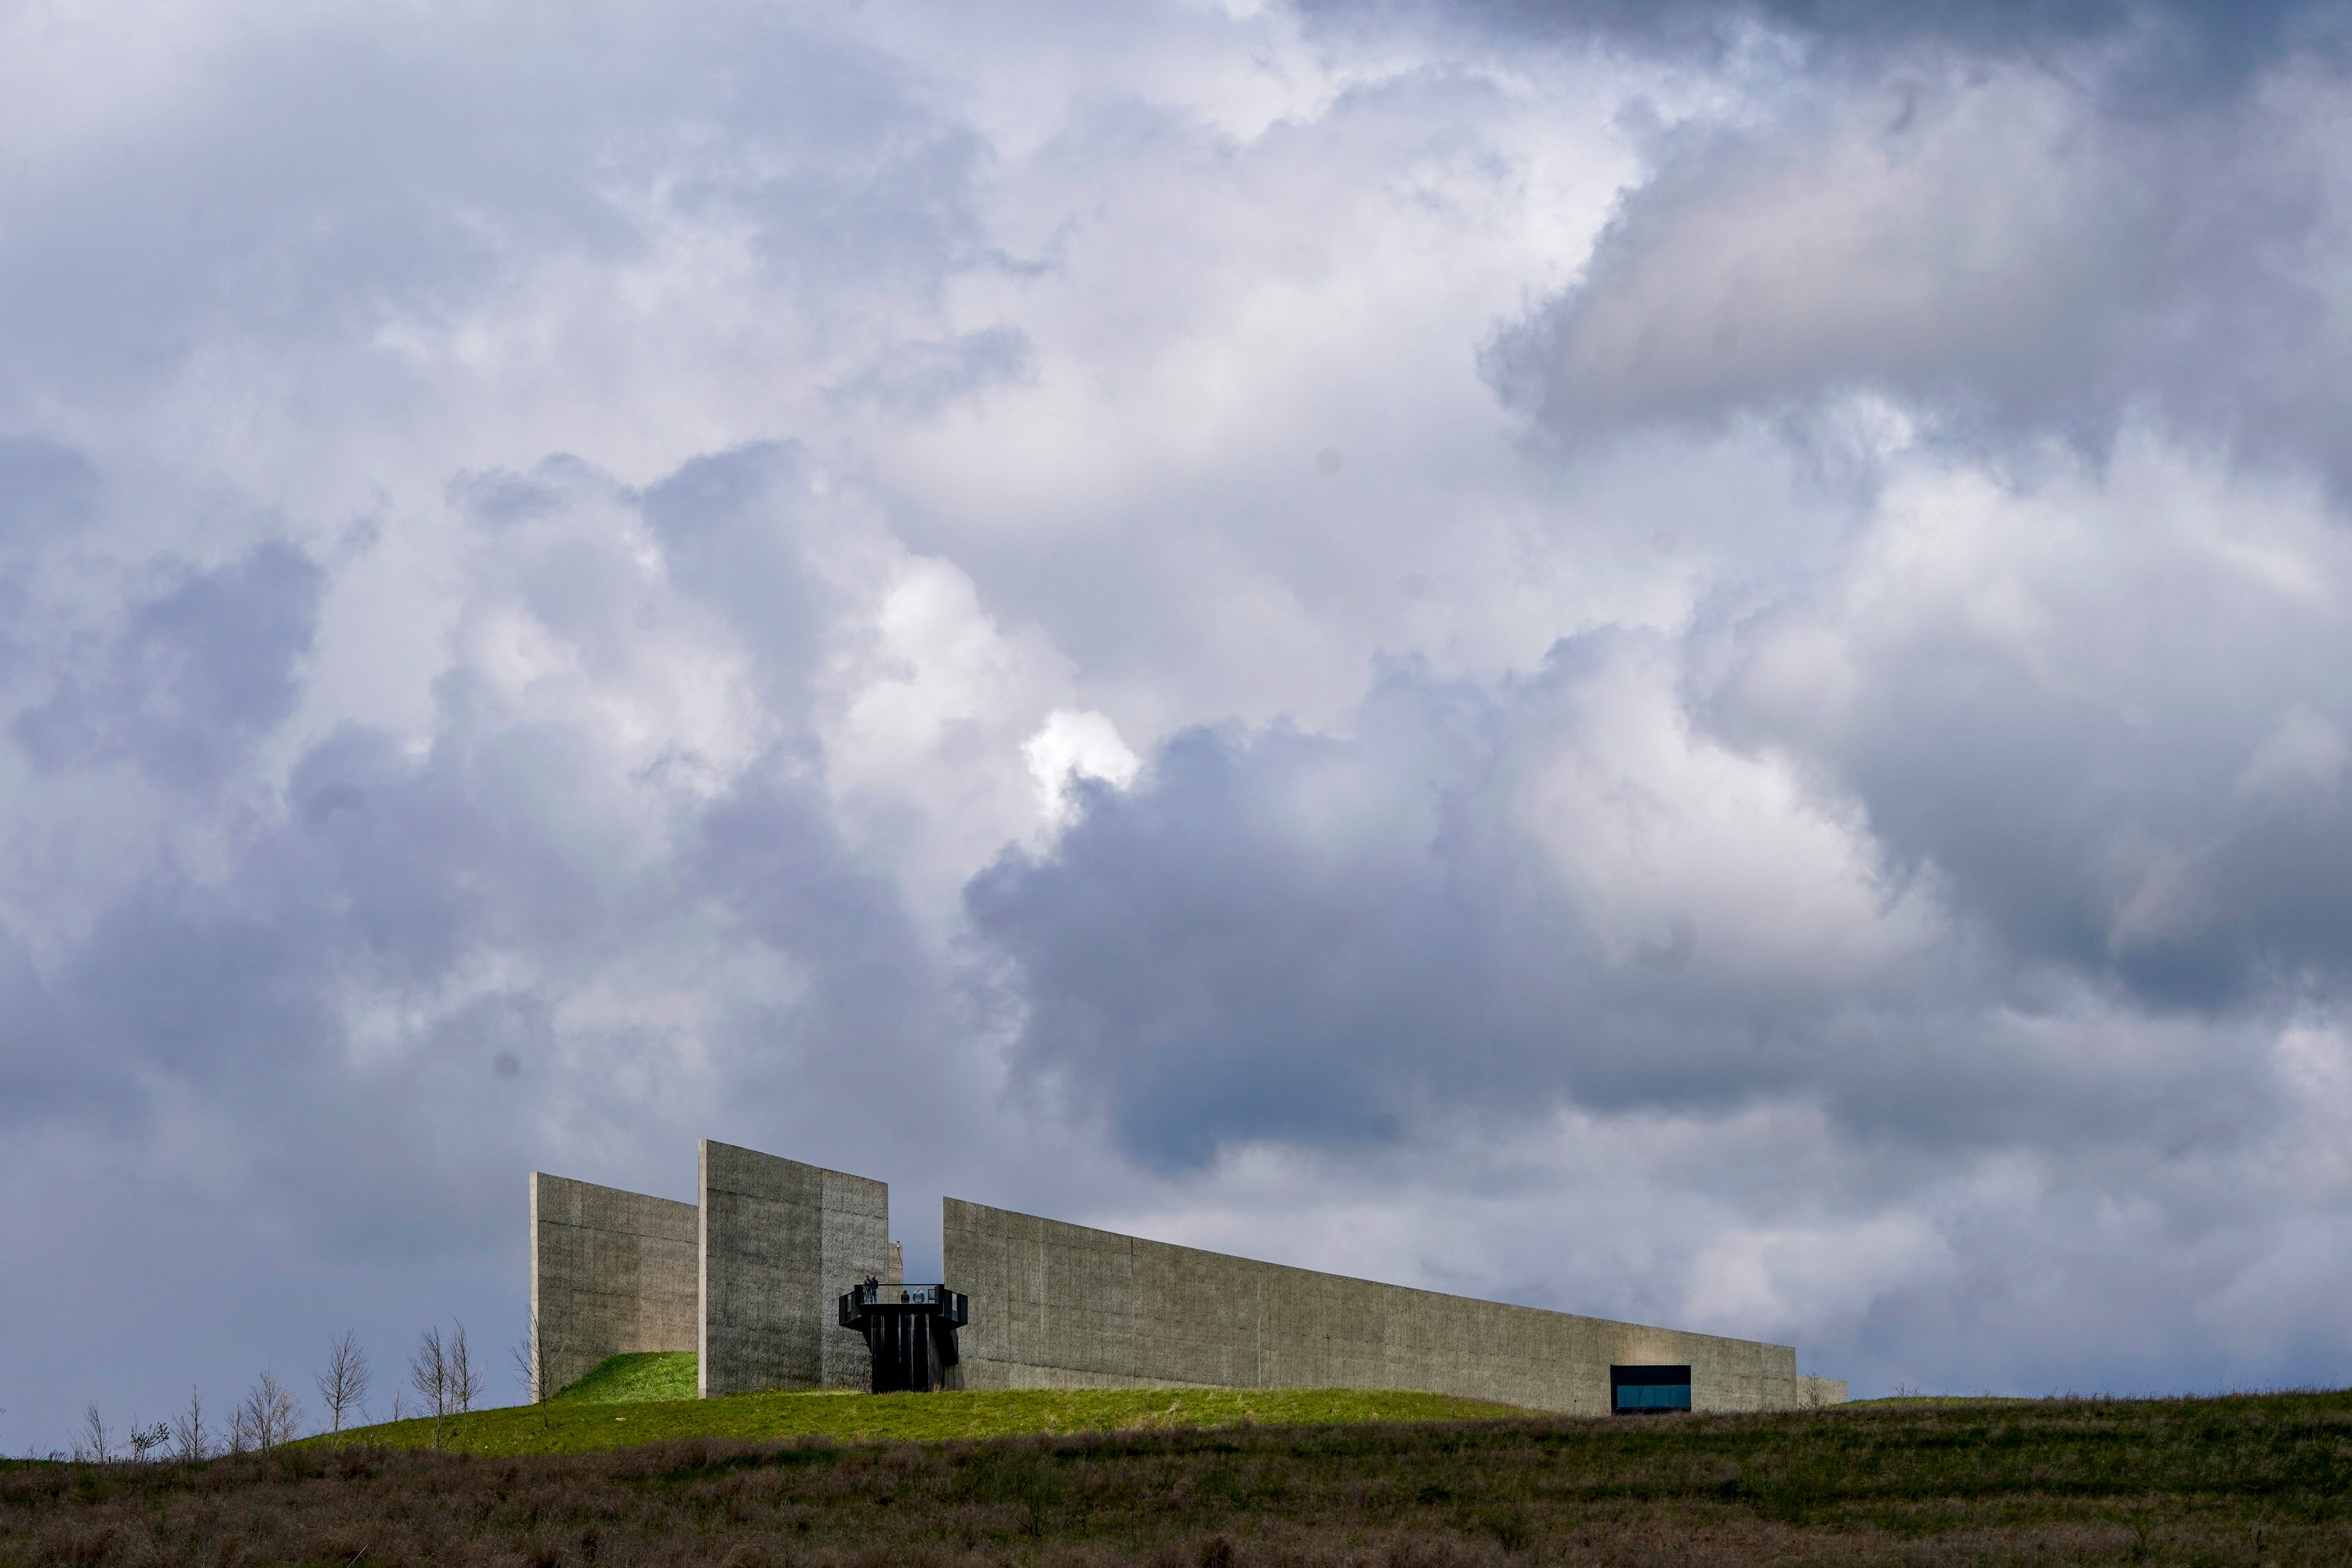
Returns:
(1056, 1305)
(780, 1243)
(610, 1271)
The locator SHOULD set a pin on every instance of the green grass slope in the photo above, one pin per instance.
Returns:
(577, 1425)
(643, 1374)
(2246, 1480)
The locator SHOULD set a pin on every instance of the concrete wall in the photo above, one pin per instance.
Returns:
(610, 1271)
(1813, 1392)
(1056, 1305)
(779, 1242)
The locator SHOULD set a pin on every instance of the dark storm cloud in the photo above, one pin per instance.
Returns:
(48, 491)
(2148, 784)
(389, 873)
(500, 836)
(1993, 253)
(1266, 939)
(1285, 937)
(45, 488)
(417, 927)
(2178, 43)
(733, 530)
(2213, 27)
(862, 1036)
(195, 675)
(41, 1076)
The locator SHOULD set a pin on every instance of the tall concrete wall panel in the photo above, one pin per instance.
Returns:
(779, 1242)
(1056, 1305)
(611, 1272)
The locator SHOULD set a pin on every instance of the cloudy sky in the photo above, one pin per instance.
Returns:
(1683, 661)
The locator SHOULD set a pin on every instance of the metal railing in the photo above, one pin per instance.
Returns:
(952, 1310)
(901, 1294)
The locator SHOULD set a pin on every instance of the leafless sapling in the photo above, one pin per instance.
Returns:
(268, 1416)
(531, 1366)
(465, 1377)
(428, 1374)
(145, 1440)
(94, 1445)
(191, 1439)
(343, 1386)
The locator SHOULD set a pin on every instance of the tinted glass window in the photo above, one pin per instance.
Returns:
(1653, 1396)
(1636, 1389)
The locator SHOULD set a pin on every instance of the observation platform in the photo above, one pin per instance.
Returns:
(911, 1331)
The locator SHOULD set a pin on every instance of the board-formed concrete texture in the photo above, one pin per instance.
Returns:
(1063, 1306)
(780, 1242)
(610, 1272)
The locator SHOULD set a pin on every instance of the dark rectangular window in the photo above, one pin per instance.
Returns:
(1635, 1390)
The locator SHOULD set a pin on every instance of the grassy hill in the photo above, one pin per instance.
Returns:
(633, 1400)
(2240, 1480)
(646, 1374)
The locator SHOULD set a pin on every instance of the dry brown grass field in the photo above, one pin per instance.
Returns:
(2244, 1479)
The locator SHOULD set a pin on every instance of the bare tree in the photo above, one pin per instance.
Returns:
(94, 1445)
(190, 1439)
(343, 1386)
(428, 1374)
(268, 1416)
(530, 1365)
(465, 1378)
(286, 1411)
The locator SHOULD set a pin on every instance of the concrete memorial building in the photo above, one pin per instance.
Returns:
(784, 1275)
